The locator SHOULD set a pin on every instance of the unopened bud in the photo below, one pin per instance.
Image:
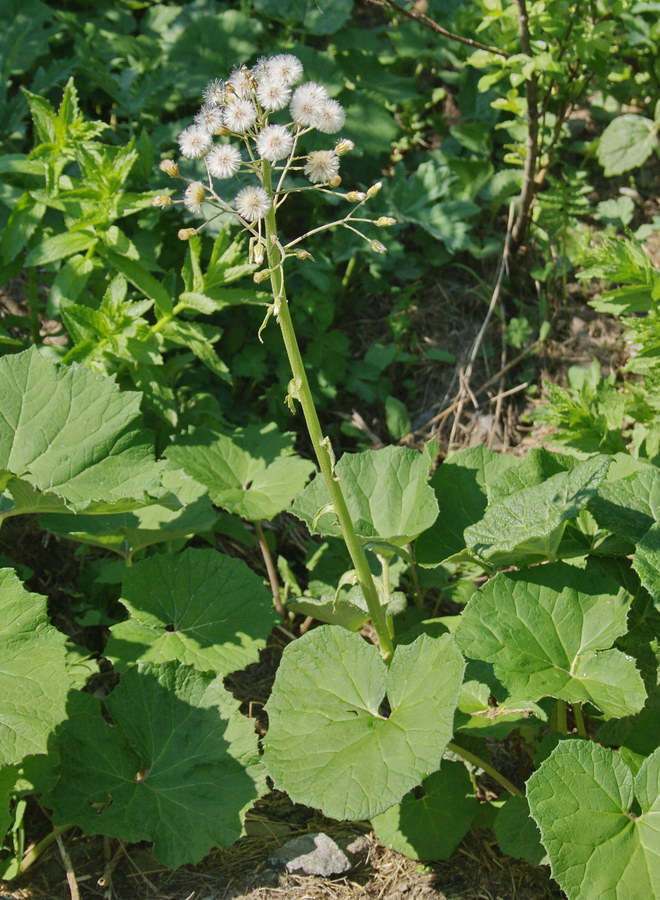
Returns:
(258, 277)
(185, 234)
(162, 200)
(356, 196)
(344, 146)
(335, 181)
(377, 247)
(259, 254)
(373, 190)
(169, 167)
(304, 254)
(384, 221)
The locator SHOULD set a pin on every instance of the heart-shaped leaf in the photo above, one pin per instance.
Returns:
(252, 472)
(582, 798)
(431, 820)
(386, 492)
(70, 433)
(199, 607)
(179, 766)
(517, 833)
(33, 676)
(348, 734)
(546, 631)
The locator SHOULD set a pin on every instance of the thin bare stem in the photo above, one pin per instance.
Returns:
(68, 867)
(532, 143)
(488, 769)
(33, 853)
(270, 568)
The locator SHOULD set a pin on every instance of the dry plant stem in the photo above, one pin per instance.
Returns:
(321, 445)
(432, 25)
(531, 156)
(68, 866)
(488, 769)
(270, 568)
(33, 853)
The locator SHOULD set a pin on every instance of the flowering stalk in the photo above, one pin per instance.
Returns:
(241, 109)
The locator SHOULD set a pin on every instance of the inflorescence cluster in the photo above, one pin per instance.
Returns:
(234, 135)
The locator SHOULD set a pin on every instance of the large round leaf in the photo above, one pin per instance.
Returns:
(582, 798)
(332, 741)
(199, 607)
(179, 766)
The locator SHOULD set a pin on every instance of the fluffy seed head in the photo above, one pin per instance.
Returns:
(194, 196)
(252, 203)
(273, 93)
(330, 117)
(194, 142)
(240, 115)
(344, 146)
(306, 103)
(169, 167)
(286, 67)
(241, 83)
(274, 142)
(223, 161)
(163, 200)
(210, 118)
(215, 92)
(322, 166)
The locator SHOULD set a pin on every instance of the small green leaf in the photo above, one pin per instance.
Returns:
(252, 472)
(626, 143)
(546, 631)
(646, 562)
(431, 820)
(629, 506)
(143, 280)
(60, 246)
(72, 433)
(332, 744)
(396, 417)
(33, 677)
(179, 766)
(386, 492)
(582, 799)
(517, 833)
(199, 607)
(526, 526)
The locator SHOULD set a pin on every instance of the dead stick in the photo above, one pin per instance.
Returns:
(270, 568)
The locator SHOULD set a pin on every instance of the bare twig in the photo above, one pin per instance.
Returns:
(532, 143)
(270, 568)
(33, 853)
(68, 866)
(432, 25)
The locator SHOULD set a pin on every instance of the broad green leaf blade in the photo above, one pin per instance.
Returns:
(430, 821)
(179, 766)
(535, 468)
(517, 833)
(546, 631)
(386, 492)
(526, 527)
(33, 676)
(626, 143)
(460, 486)
(581, 798)
(330, 744)
(251, 473)
(646, 562)
(199, 607)
(629, 506)
(72, 433)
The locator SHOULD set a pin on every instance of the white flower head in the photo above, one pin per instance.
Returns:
(241, 83)
(239, 115)
(330, 117)
(210, 118)
(273, 93)
(215, 92)
(274, 142)
(286, 67)
(307, 102)
(194, 142)
(194, 195)
(223, 161)
(252, 203)
(321, 166)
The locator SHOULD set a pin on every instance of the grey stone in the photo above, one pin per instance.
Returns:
(318, 854)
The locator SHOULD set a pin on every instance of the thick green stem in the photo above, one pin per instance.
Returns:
(301, 390)
(33, 854)
(579, 720)
(488, 769)
(560, 717)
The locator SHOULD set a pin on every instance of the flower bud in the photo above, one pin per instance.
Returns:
(304, 254)
(185, 234)
(169, 167)
(162, 201)
(373, 190)
(260, 276)
(356, 196)
(384, 221)
(335, 181)
(344, 146)
(259, 254)
(377, 247)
